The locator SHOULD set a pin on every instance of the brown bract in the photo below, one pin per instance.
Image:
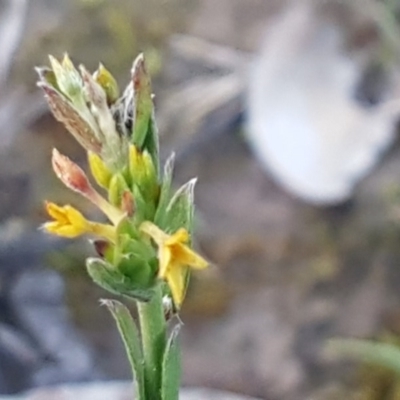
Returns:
(65, 113)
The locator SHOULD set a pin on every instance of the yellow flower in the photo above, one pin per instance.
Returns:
(175, 258)
(69, 222)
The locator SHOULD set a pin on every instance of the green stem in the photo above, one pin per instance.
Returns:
(153, 333)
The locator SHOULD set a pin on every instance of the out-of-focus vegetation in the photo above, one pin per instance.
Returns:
(110, 31)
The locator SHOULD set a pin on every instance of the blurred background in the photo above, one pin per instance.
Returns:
(287, 113)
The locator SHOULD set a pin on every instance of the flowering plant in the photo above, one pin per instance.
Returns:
(144, 251)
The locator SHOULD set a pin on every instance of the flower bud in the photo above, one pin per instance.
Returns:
(99, 170)
(143, 173)
(104, 78)
(68, 79)
(75, 179)
(114, 152)
(70, 173)
(116, 189)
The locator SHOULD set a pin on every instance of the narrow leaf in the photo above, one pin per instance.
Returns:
(130, 337)
(180, 209)
(111, 279)
(165, 191)
(142, 101)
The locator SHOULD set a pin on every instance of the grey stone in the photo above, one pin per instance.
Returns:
(38, 297)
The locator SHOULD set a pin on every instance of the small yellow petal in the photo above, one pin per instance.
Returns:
(180, 236)
(75, 217)
(68, 231)
(164, 257)
(186, 256)
(56, 212)
(68, 221)
(176, 279)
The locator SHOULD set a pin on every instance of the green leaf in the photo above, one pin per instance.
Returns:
(144, 210)
(180, 210)
(143, 103)
(130, 337)
(382, 354)
(140, 272)
(165, 191)
(141, 249)
(111, 279)
(171, 372)
(126, 227)
(145, 133)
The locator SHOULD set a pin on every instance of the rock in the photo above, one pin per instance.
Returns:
(18, 358)
(43, 312)
(306, 122)
(115, 391)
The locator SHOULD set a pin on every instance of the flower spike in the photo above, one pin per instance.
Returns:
(137, 256)
(120, 136)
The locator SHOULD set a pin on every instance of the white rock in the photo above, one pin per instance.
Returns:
(304, 122)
